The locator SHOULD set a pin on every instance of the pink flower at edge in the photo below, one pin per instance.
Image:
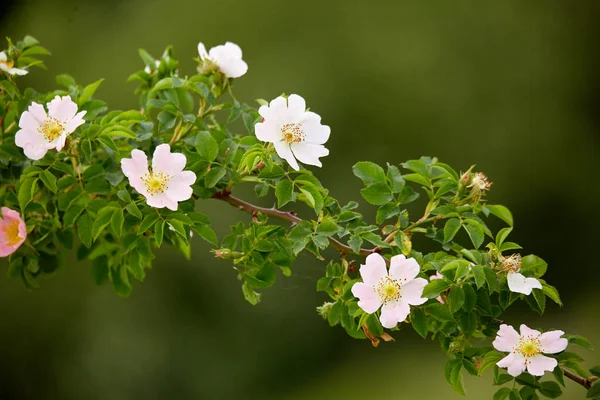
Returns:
(13, 232)
(433, 278)
(394, 291)
(526, 349)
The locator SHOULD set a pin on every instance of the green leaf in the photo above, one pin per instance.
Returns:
(395, 178)
(501, 212)
(355, 243)
(84, 229)
(595, 370)
(552, 293)
(89, 91)
(534, 264)
(159, 231)
(214, 176)
(249, 294)
(206, 146)
(377, 194)
(49, 180)
(594, 391)
(102, 220)
(559, 375)
(550, 389)
(148, 222)
(65, 81)
(207, 234)
(92, 172)
(284, 191)
(117, 222)
(434, 288)
(416, 178)
(26, 191)
(386, 211)
(479, 275)
(369, 172)
(502, 235)
(540, 299)
(456, 298)
(475, 233)
(419, 322)
(72, 214)
(453, 376)
(327, 227)
(580, 341)
(489, 360)
(133, 209)
(502, 394)
(451, 229)
(439, 312)
(491, 278)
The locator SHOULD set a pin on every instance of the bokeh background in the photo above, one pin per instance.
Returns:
(511, 86)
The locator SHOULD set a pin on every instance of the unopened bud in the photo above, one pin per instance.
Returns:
(324, 310)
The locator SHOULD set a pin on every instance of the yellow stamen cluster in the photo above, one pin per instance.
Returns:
(52, 128)
(388, 290)
(529, 347)
(480, 181)
(292, 133)
(11, 231)
(156, 182)
(510, 264)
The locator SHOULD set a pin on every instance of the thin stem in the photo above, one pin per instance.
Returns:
(586, 383)
(283, 215)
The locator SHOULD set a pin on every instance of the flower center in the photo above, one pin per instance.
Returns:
(388, 290)
(9, 64)
(292, 133)
(512, 263)
(52, 128)
(11, 230)
(156, 182)
(529, 347)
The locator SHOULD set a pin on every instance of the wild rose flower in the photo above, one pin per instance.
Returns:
(517, 282)
(8, 66)
(394, 292)
(41, 132)
(480, 182)
(165, 183)
(228, 57)
(526, 349)
(295, 132)
(433, 278)
(13, 232)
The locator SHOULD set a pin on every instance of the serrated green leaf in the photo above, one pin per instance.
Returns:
(501, 212)
(89, 91)
(377, 194)
(369, 172)
(49, 180)
(117, 222)
(206, 146)
(284, 191)
(451, 229)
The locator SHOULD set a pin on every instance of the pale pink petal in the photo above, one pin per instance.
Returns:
(8, 244)
(60, 142)
(436, 276)
(393, 313)
(506, 339)
(526, 331)
(179, 187)
(135, 168)
(29, 122)
(412, 291)
(374, 269)
(368, 299)
(539, 364)
(283, 150)
(166, 162)
(161, 200)
(62, 108)
(309, 153)
(520, 284)
(75, 123)
(514, 363)
(552, 342)
(403, 269)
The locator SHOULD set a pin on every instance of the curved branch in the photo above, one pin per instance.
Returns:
(586, 383)
(289, 216)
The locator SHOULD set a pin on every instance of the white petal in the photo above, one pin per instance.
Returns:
(296, 106)
(309, 153)
(234, 68)
(314, 132)
(179, 187)
(4, 67)
(267, 132)
(62, 108)
(3, 56)
(284, 151)
(393, 313)
(520, 284)
(135, 168)
(552, 342)
(514, 362)
(539, 364)
(368, 299)
(506, 339)
(413, 290)
(233, 50)
(202, 51)
(59, 142)
(403, 269)
(17, 71)
(166, 162)
(373, 270)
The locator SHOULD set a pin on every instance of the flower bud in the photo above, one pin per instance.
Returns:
(325, 309)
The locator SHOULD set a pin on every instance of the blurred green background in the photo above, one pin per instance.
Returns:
(509, 85)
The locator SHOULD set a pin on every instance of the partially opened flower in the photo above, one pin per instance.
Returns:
(227, 57)
(295, 132)
(480, 182)
(436, 277)
(394, 291)
(517, 282)
(41, 132)
(8, 66)
(526, 349)
(13, 232)
(165, 183)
